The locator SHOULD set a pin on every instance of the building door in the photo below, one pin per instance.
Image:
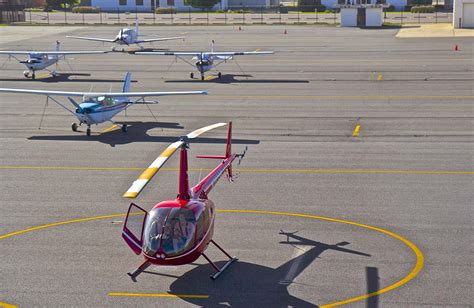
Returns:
(361, 17)
(468, 15)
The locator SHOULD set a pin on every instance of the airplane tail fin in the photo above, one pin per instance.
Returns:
(126, 82)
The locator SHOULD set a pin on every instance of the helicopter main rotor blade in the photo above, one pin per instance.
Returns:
(149, 172)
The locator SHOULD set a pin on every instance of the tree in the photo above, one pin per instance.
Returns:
(203, 4)
(58, 4)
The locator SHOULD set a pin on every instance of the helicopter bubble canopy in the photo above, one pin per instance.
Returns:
(171, 231)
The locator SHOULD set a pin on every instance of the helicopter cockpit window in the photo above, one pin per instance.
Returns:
(179, 229)
(153, 232)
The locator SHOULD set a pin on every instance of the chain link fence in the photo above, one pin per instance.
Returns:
(240, 17)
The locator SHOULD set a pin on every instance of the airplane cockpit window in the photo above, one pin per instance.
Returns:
(103, 100)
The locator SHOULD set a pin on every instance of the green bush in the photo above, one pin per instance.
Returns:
(422, 9)
(165, 10)
(85, 9)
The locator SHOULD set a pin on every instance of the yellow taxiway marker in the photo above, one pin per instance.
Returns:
(109, 129)
(159, 295)
(379, 77)
(210, 78)
(356, 131)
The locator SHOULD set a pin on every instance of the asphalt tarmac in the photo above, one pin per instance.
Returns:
(369, 135)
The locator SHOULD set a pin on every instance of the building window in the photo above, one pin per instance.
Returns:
(123, 2)
(138, 2)
(170, 2)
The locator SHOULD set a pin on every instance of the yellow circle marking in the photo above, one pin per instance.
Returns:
(413, 273)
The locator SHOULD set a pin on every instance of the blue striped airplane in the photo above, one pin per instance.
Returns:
(99, 107)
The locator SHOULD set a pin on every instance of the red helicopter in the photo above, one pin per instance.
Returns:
(177, 232)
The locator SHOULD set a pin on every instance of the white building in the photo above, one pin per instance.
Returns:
(179, 5)
(463, 14)
(398, 4)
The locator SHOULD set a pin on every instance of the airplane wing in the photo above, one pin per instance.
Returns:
(239, 53)
(59, 53)
(94, 94)
(92, 39)
(159, 39)
(168, 53)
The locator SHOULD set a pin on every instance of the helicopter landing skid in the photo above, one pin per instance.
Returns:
(139, 270)
(219, 271)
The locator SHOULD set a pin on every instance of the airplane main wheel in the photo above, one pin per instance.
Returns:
(74, 127)
(191, 75)
(88, 132)
(124, 128)
(26, 74)
(219, 75)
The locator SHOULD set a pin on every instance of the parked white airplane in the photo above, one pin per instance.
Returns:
(206, 60)
(40, 60)
(127, 36)
(99, 107)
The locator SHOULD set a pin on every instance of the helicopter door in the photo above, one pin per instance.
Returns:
(132, 231)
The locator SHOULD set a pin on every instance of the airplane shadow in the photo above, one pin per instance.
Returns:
(137, 132)
(62, 77)
(247, 284)
(230, 78)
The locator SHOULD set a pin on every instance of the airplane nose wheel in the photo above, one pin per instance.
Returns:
(202, 77)
(74, 127)
(33, 76)
(191, 75)
(88, 131)
(124, 128)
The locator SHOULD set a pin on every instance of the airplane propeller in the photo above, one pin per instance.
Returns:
(148, 174)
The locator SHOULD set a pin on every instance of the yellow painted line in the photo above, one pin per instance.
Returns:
(210, 77)
(412, 274)
(43, 76)
(356, 131)
(58, 224)
(159, 295)
(109, 129)
(388, 171)
(6, 305)
(258, 49)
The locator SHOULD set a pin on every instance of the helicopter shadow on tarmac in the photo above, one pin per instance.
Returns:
(137, 132)
(247, 284)
(231, 78)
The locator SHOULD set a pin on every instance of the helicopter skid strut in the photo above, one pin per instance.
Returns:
(219, 271)
(139, 270)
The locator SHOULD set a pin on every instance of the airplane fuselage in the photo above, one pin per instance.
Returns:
(93, 112)
(126, 36)
(39, 62)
